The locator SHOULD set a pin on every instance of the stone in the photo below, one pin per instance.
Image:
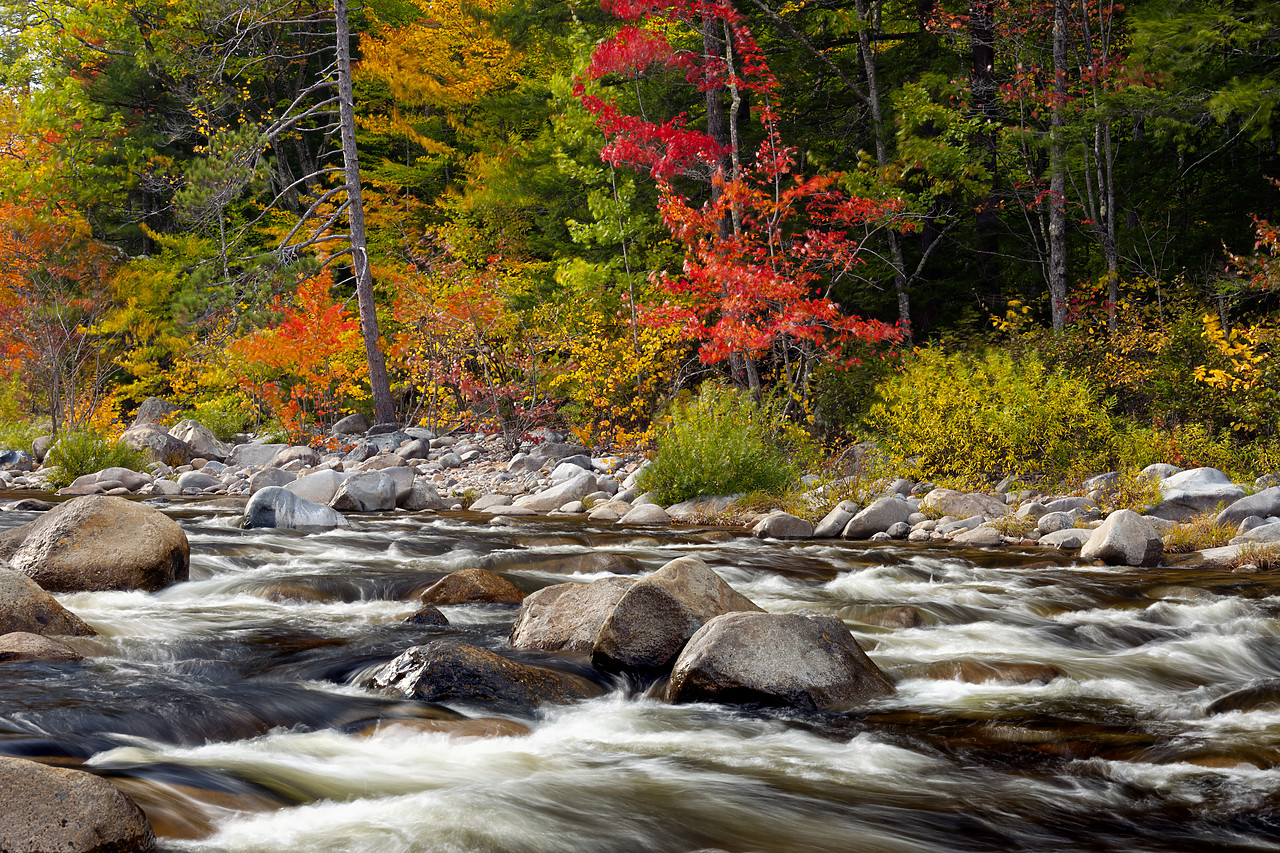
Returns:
(554, 451)
(572, 508)
(366, 491)
(961, 504)
(1033, 510)
(1264, 504)
(198, 480)
(154, 411)
(415, 449)
(422, 496)
(567, 471)
(1263, 533)
(165, 488)
(644, 514)
(835, 521)
(1194, 491)
(385, 428)
(659, 613)
(702, 507)
(403, 478)
(267, 478)
(361, 452)
(1070, 539)
(319, 488)
(472, 586)
(524, 463)
(253, 455)
(427, 615)
(978, 537)
(567, 617)
(387, 441)
(40, 446)
(1159, 471)
(450, 671)
(1005, 672)
(783, 525)
(450, 460)
(99, 543)
(16, 460)
(603, 514)
(1260, 696)
(26, 608)
(277, 507)
(130, 479)
(356, 424)
(1124, 539)
(557, 496)
(808, 661)
(22, 645)
(952, 528)
(877, 518)
(1071, 503)
(200, 439)
(490, 501)
(900, 617)
(1052, 522)
(155, 441)
(307, 456)
(48, 809)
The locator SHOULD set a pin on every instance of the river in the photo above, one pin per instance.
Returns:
(230, 706)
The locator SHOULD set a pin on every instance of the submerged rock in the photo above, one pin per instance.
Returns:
(808, 661)
(472, 586)
(1005, 672)
(1262, 696)
(567, 617)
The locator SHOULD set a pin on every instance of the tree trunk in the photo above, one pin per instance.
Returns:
(982, 82)
(1058, 173)
(384, 409)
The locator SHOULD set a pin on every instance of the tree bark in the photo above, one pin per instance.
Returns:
(1058, 173)
(384, 409)
(982, 82)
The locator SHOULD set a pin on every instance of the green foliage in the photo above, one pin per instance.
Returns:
(724, 442)
(16, 430)
(78, 453)
(1011, 525)
(1202, 531)
(1262, 556)
(1131, 491)
(224, 417)
(971, 418)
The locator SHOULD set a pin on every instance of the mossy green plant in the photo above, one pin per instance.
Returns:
(77, 453)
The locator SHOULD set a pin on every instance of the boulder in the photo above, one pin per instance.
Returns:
(49, 809)
(200, 439)
(1070, 539)
(16, 460)
(1003, 672)
(387, 441)
(269, 478)
(277, 507)
(962, 504)
(1124, 539)
(200, 481)
(554, 451)
(366, 491)
(1159, 471)
(356, 424)
(40, 446)
(26, 608)
(659, 613)
(155, 441)
(403, 479)
(101, 543)
(1194, 491)
(1260, 696)
(808, 661)
(130, 479)
(1052, 522)
(449, 671)
(783, 525)
(154, 411)
(415, 449)
(567, 617)
(569, 470)
(1264, 504)
(22, 645)
(877, 518)
(978, 537)
(1071, 503)
(490, 501)
(253, 455)
(427, 615)
(702, 507)
(834, 522)
(472, 586)
(557, 496)
(902, 616)
(308, 457)
(644, 514)
(319, 488)
(1262, 533)
(421, 497)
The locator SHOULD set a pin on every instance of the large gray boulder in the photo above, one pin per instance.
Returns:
(1264, 504)
(266, 478)
(835, 521)
(808, 661)
(641, 515)
(877, 518)
(127, 477)
(319, 487)
(783, 525)
(99, 543)
(422, 496)
(366, 491)
(25, 607)
(356, 424)
(450, 671)
(198, 480)
(155, 441)
(1070, 539)
(659, 613)
(57, 810)
(558, 495)
(277, 507)
(253, 455)
(307, 457)
(1124, 539)
(567, 617)
(200, 439)
(154, 411)
(962, 504)
(1194, 491)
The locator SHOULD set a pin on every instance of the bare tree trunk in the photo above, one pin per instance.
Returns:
(384, 409)
(1058, 173)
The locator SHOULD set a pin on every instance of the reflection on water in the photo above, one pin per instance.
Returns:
(1041, 705)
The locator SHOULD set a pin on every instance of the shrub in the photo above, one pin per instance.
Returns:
(1202, 531)
(224, 418)
(1263, 556)
(724, 442)
(970, 418)
(1132, 491)
(77, 453)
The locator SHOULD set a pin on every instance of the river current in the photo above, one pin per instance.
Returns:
(230, 706)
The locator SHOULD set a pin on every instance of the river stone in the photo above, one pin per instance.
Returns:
(449, 671)
(23, 645)
(783, 525)
(701, 507)
(1264, 504)
(199, 480)
(554, 451)
(25, 607)
(877, 518)
(557, 496)
(808, 661)
(267, 478)
(319, 488)
(307, 456)
(657, 616)
(962, 504)
(902, 616)
(1052, 522)
(415, 449)
(489, 501)
(422, 496)
(155, 441)
(253, 455)
(132, 480)
(366, 491)
(567, 617)
(1066, 540)
(644, 514)
(277, 507)
(1194, 491)
(834, 522)
(472, 586)
(1263, 533)
(386, 441)
(427, 615)
(1260, 696)
(978, 537)
(1006, 672)
(1033, 510)
(40, 446)
(16, 460)
(568, 470)
(1124, 539)
(1159, 471)
(356, 424)
(200, 439)
(101, 543)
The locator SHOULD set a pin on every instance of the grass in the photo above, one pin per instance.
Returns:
(1264, 556)
(1202, 531)
(1011, 525)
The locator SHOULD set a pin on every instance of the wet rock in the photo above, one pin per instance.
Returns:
(877, 518)
(783, 525)
(200, 439)
(962, 504)
(280, 508)
(835, 521)
(428, 615)
(644, 514)
(366, 491)
(472, 586)
(1124, 539)
(482, 727)
(659, 613)
(1005, 672)
(356, 424)
(1196, 490)
(21, 645)
(897, 617)
(1264, 504)
(449, 671)
(567, 617)
(1261, 696)
(51, 809)
(155, 441)
(802, 660)
(25, 607)
(100, 543)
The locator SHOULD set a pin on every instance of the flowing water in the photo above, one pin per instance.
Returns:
(230, 706)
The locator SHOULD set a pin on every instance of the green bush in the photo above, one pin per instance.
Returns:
(973, 418)
(724, 442)
(77, 453)
(224, 418)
